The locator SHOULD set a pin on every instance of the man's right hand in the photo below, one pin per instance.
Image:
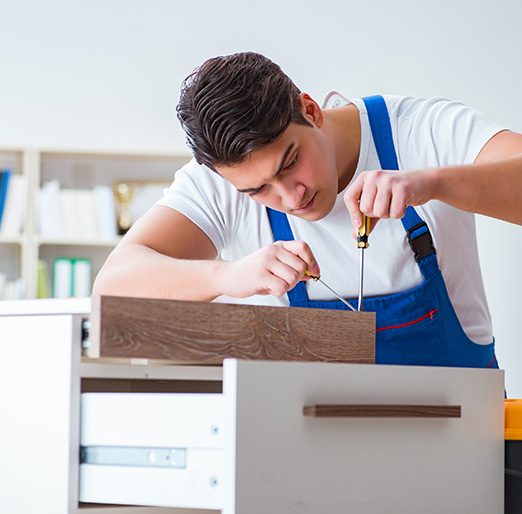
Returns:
(165, 255)
(273, 269)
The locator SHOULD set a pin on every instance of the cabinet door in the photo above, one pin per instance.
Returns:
(281, 461)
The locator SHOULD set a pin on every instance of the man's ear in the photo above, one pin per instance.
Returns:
(311, 110)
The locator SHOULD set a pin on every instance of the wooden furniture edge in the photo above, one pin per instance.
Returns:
(208, 332)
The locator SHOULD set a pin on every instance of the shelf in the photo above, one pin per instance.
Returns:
(12, 240)
(73, 169)
(77, 242)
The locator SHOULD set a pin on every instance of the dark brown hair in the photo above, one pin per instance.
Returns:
(233, 105)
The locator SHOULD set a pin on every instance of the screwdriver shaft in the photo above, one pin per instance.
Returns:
(361, 274)
(340, 298)
(362, 243)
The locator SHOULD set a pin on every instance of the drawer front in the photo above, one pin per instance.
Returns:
(189, 488)
(152, 449)
(372, 439)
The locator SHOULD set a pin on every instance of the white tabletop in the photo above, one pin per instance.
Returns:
(45, 306)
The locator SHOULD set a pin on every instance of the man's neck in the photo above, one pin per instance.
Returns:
(343, 126)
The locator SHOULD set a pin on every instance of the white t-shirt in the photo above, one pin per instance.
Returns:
(426, 133)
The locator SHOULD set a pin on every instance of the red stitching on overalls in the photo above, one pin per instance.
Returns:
(429, 315)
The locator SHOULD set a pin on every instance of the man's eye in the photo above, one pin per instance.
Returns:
(256, 192)
(292, 164)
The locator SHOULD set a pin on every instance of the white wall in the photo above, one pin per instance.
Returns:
(105, 74)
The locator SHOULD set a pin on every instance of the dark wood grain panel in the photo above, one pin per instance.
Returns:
(382, 411)
(201, 332)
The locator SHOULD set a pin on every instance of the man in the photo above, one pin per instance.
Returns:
(272, 165)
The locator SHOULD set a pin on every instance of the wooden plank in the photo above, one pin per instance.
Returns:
(382, 411)
(201, 332)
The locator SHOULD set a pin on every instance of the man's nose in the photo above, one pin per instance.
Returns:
(291, 194)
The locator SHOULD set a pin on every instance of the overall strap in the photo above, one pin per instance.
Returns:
(417, 230)
(282, 232)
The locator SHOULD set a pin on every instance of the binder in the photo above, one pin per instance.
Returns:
(71, 277)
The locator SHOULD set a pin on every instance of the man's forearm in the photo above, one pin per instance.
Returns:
(137, 270)
(491, 188)
(142, 272)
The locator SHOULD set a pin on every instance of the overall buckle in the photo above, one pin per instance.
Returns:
(420, 241)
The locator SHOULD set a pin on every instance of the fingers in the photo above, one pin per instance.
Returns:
(274, 269)
(378, 194)
(299, 250)
(287, 265)
(351, 199)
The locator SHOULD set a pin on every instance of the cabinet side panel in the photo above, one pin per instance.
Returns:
(40, 383)
(230, 397)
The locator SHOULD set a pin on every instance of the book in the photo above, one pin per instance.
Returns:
(76, 213)
(86, 213)
(62, 278)
(5, 176)
(49, 208)
(70, 212)
(82, 284)
(43, 280)
(79, 213)
(3, 281)
(14, 289)
(105, 203)
(13, 218)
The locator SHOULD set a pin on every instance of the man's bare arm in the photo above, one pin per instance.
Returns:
(165, 255)
(148, 261)
(492, 185)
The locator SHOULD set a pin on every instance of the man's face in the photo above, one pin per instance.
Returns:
(296, 174)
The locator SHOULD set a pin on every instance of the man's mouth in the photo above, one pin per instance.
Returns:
(308, 205)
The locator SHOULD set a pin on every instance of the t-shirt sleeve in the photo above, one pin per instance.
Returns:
(437, 131)
(206, 199)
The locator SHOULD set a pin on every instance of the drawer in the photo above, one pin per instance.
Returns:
(303, 437)
(152, 449)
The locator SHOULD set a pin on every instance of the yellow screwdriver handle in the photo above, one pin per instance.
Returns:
(363, 232)
(308, 274)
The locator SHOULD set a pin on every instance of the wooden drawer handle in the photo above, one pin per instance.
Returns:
(382, 411)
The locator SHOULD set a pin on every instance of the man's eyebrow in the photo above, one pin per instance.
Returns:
(279, 169)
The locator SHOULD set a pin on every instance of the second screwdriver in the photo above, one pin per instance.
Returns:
(362, 242)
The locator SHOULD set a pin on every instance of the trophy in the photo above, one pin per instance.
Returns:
(124, 192)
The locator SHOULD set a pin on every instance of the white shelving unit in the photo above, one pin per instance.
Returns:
(19, 254)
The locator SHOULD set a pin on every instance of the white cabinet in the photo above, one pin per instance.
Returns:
(247, 448)
(73, 170)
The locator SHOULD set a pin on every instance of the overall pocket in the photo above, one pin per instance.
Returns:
(409, 323)
(419, 340)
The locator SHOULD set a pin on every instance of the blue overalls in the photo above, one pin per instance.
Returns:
(415, 327)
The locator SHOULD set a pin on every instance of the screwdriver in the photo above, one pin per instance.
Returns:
(362, 242)
(318, 278)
